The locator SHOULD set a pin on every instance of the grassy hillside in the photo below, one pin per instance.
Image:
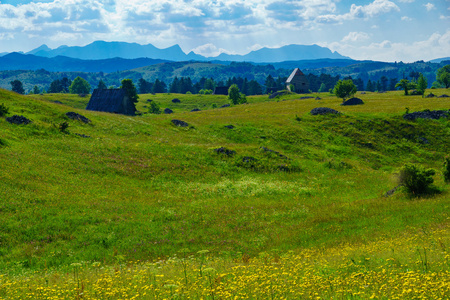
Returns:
(140, 188)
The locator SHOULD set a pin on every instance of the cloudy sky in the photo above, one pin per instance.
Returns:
(388, 30)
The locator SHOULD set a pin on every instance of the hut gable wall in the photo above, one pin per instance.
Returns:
(299, 81)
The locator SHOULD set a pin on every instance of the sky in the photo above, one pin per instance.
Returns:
(385, 30)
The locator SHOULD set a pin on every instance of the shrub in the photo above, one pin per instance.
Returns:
(447, 169)
(416, 179)
(154, 108)
(63, 127)
(3, 110)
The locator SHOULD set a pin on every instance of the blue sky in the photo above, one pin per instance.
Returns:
(388, 30)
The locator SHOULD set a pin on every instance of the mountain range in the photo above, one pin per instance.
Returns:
(104, 50)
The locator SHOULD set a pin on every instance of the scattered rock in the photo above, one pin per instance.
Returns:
(180, 123)
(82, 135)
(195, 109)
(423, 140)
(223, 150)
(306, 97)
(57, 102)
(363, 93)
(74, 116)
(323, 111)
(443, 96)
(168, 111)
(16, 119)
(430, 95)
(229, 126)
(318, 98)
(176, 100)
(273, 151)
(225, 105)
(427, 114)
(149, 100)
(353, 101)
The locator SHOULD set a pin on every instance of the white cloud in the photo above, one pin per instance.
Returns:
(407, 1)
(209, 50)
(356, 37)
(429, 6)
(406, 18)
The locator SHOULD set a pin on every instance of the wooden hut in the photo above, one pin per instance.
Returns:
(299, 81)
(112, 101)
(221, 90)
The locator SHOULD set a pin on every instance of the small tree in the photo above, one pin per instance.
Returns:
(80, 86)
(344, 89)
(36, 90)
(322, 88)
(17, 86)
(233, 94)
(128, 85)
(406, 85)
(416, 179)
(443, 76)
(154, 108)
(422, 84)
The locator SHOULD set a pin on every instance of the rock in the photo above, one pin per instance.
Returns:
(16, 119)
(225, 105)
(278, 94)
(427, 114)
(229, 126)
(430, 95)
(168, 111)
(363, 93)
(195, 109)
(223, 150)
(353, 101)
(443, 96)
(74, 116)
(82, 135)
(318, 98)
(392, 191)
(423, 140)
(179, 123)
(149, 100)
(306, 97)
(176, 100)
(57, 102)
(323, 111)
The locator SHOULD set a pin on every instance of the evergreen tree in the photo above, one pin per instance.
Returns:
(36, 90)
(144, 87)
(322, 88)
(55, 87)
(101, 85)
(422, 84)
(443, 76)
(369, 86)
(174, 86)
(158, 87)
(384, 83)
(392, 83)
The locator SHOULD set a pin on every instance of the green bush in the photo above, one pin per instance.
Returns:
(154, 108)
(63, 127)
(3, 110)
(447, 169)
(416, 179)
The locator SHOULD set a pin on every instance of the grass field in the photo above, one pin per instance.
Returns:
(142, 206)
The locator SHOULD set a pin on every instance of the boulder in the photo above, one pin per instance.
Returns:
(16, 119)
(225, 105)
(353, 101)
(229, 126)
(323, 111)
(195, 109)
(168, 111)
(443, 96)
(430, 95)
(176, 100)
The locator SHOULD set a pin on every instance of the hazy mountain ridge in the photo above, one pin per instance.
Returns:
(105, 50)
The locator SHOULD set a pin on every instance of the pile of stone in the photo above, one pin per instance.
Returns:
(323, 111)
(176, 100)
(353, 101)
(274, 152)
(74, 116)
(16, 119)
(179, 123)
(427, 114)
(168, 111)
(223, 150)
(195, 109)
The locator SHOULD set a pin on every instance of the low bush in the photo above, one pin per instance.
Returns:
(416, 179)
(3, 110)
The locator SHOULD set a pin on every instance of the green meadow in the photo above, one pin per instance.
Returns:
(141, 188)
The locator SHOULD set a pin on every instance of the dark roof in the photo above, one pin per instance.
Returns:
(111, 100)
(295, 73)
